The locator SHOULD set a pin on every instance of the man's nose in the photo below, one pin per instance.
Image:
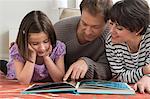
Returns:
(88, 30)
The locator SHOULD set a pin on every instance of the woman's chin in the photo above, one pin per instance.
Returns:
(116, 42)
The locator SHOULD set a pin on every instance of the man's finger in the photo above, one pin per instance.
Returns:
(74, 73)
(67, 74)
(78, 74)
(83, 74)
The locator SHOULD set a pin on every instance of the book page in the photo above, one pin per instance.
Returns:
(48, 86)
(103, 84)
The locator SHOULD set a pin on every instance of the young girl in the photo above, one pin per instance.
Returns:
(36, 55)
(128, 44)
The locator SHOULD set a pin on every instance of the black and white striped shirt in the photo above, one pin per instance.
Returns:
(125, 66)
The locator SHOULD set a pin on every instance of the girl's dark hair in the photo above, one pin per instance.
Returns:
(95, 7)
(131, 14)
(34, 22)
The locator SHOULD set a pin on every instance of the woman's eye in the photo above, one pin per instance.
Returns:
(119, 28)
(111, 23)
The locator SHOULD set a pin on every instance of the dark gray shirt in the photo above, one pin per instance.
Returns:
(92, 52)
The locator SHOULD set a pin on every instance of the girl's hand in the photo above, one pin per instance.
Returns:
(32, 52)
(48, 51)
(31, 49)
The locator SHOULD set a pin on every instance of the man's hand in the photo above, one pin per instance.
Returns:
(76, 70)
(143, 85)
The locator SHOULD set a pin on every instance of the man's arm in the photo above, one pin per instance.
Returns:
(88, 69)
(99, 69)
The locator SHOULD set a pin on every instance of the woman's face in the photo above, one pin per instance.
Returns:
(40, 43)
(119, 33)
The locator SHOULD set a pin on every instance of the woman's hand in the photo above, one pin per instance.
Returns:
(143, 85)
(146, 69)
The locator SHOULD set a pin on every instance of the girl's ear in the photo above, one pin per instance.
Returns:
(138, 32)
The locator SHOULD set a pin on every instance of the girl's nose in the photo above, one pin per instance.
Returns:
(42, 47)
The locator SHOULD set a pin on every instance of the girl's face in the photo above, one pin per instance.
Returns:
(119, 33)
(40, 43)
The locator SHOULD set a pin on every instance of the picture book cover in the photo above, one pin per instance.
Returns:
(92, 86)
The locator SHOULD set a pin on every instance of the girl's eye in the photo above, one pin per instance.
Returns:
(46, 41)
(35, 43)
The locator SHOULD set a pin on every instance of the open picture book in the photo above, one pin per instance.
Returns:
(82, 87)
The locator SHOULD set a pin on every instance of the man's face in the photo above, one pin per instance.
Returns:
(90, 27)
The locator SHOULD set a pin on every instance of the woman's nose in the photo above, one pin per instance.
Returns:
(112, 28)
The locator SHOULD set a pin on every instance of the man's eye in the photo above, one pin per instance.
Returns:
(96, 27)
(84, 23)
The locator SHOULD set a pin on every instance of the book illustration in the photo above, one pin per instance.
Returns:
(83, 87)
(56, 87)
(50, 86)
(107, 84)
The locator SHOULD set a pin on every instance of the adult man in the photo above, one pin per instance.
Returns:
(85, 56)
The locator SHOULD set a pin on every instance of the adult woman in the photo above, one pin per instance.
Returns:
(128, 44)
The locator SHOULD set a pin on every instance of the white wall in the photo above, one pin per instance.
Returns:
(12, 12)
(114, 1)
